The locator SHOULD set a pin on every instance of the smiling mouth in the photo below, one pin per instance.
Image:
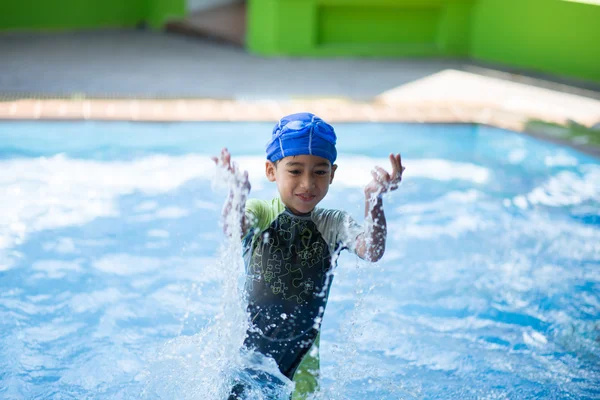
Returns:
(305, 197)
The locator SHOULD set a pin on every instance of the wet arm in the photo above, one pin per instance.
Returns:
(240, 208)
(234, 209)
(371, 243)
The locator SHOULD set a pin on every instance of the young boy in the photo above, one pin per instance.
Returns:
(291, 245)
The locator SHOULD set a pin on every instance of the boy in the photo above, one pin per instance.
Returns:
(291, 245)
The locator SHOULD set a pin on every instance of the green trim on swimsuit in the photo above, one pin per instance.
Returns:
(306, 377)
(264, 212)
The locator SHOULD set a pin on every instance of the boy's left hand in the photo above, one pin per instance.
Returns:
(383, 181)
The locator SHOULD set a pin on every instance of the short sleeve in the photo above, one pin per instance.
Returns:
(348, 230)
(260, 213)
(256, 212)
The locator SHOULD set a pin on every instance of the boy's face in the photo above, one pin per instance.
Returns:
(303, 181)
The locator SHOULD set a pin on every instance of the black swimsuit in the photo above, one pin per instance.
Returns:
(288, 263)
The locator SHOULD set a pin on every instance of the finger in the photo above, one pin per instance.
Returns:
(394, 163)
(399, 161)
(395, 159)
(215, 160)
(400, 169)
(377, 178)
(385, 176)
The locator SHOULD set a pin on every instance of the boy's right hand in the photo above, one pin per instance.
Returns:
(224, 161)
(237, 198)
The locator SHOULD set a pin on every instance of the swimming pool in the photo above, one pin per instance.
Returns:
(112, 282)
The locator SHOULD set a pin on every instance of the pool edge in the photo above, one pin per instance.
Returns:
(501, 113)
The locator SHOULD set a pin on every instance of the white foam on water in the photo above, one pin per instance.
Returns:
(355, 171)
(451, 215)
(560, 159)
(206, 205)
(96, 300)
(50, 331)
(534, 339)
(56, 192)
(126, 264)
(204, 365)
(158, 233)
(56, 269)
(458, 226)
(516, 156)
(62, 245)
(197, 366)
(146, 206)
(447, 201)
(171, 213)
(49, 193)
(566, 188)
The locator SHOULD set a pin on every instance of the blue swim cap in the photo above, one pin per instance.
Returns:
(302, 134)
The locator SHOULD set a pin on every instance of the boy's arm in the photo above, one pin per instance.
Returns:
(239, 188)
(370, 245)
(245, 222)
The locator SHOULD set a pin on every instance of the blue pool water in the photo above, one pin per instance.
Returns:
(115, 278)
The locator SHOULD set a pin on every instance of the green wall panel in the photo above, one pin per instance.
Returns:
(359, 27)
(553, 36)
(366, 25)
(83, 14)
(296, 31)
(158, 12)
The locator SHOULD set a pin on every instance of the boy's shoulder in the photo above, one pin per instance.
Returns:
(275, 207)
(263, 208)
(320, 212)
(264, 212)
(261, 213)
(330, 218)
(336, 226)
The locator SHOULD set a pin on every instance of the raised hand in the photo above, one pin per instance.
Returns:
(239, 187)
(383, 181)
(224, 161)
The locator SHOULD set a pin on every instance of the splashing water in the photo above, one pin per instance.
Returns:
(208, 364)
(112, 287)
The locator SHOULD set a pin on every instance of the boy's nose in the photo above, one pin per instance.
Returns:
(308, 182)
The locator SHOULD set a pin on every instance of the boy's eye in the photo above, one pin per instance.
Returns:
(320, 172)
(294, 172)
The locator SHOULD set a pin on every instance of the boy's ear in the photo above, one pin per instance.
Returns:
(333, 168)
(270, 171)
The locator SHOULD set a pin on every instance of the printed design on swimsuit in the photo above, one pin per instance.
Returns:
(290, 259)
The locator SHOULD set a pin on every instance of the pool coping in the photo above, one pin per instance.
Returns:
(447, 97)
